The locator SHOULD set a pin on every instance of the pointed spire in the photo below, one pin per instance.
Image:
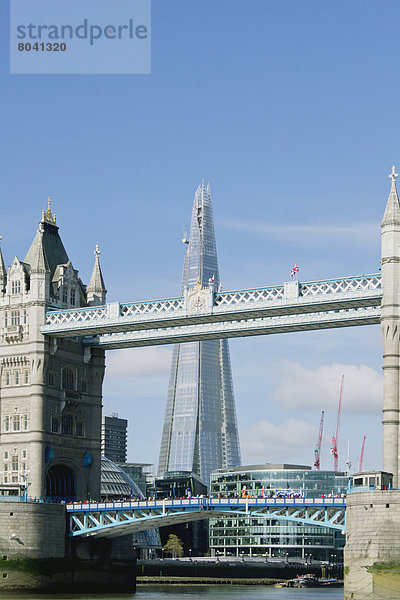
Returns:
(392, 212)
(96, 290)
(3, 272)
(39, 263)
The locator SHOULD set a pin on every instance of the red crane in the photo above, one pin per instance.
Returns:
(334, 449)
(362, 453)
(317, 450)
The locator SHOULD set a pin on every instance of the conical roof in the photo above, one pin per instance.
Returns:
(96, 283)
(39, 263)
(48, 242)
(392, 212)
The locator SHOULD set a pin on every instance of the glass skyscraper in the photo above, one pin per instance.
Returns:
(200, 429)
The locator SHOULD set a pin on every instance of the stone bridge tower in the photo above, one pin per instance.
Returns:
(50, 390)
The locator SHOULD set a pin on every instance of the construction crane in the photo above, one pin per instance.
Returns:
(362, 453)
(334, 449)
(317, 450)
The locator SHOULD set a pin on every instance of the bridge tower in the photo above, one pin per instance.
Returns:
(50, 389)
(390, 322)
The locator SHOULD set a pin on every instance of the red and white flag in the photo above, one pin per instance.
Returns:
(295, 270)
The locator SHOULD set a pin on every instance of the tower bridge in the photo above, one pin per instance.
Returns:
(53, 335)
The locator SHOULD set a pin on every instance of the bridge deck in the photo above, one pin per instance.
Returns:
(120, 518)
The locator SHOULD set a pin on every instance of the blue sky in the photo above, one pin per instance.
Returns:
(290, 110)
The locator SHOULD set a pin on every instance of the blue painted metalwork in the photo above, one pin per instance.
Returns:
(293, 306)
(113, 519)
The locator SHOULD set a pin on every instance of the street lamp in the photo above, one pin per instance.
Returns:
(287, 557)
(190, 554)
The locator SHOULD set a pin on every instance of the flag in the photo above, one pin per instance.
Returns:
(295, 270)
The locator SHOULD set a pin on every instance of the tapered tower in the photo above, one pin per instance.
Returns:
(200, 429)
(390, 322)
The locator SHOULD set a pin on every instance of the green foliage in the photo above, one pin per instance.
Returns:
(174, 546)
(346, 570)
(392, 566)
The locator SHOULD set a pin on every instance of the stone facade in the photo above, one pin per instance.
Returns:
(372, 551)
(50, 390)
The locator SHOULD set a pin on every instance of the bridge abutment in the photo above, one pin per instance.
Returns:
(372, 551)
(37, 554)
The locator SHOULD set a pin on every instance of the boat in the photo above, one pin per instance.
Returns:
(311, 580)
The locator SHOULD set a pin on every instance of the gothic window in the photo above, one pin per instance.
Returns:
(26, 376)
(84, 386)
(72, 297)
(6, 319)
(7, 423)
(6, 455)
(16, 421)
(79, 428)
(15, 317)
(17, 378)
(25, 317)
(24, 420)
(7, 377)
(67, 424)
(51, 378)
(55, 425)
(68, 379)
(14, 463)
(65, 295)
(16, 286)
(24, 454)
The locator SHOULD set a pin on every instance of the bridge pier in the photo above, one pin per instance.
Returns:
(36, 554)
(372, 551)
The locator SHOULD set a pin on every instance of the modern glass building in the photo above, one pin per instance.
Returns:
(252, 536)
(200, 430)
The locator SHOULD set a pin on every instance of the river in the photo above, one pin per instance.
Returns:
(191, 592)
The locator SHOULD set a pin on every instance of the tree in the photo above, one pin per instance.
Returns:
(174, 546)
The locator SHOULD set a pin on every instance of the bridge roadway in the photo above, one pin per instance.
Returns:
(203, 313)
(113, 519)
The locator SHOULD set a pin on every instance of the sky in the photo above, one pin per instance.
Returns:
(290, 110)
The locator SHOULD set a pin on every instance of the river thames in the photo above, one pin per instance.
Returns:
(210, 592)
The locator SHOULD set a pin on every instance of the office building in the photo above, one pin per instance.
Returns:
(259, 536)
(200, 430)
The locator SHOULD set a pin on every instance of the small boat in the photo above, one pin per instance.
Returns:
(311, 580)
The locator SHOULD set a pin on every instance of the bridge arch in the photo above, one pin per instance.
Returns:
(62, 481)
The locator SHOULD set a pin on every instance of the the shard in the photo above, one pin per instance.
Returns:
(200, 429)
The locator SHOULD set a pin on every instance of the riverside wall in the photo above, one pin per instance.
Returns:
(372, 551)
(36, 553)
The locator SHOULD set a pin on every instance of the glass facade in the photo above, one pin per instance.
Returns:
(200, 429)
(255, 536)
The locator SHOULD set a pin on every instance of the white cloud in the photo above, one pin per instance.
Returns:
(266, 442)
(138, 362)
(301, 388)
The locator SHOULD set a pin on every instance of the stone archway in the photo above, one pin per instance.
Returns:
(60, 483)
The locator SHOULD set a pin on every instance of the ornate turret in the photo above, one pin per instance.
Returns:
(390, 228)
(392, 212)
(96, 290)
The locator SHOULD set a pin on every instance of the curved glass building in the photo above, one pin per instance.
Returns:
(200, 430)
(252, 536)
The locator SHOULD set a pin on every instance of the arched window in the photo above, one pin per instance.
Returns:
(68, 379)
